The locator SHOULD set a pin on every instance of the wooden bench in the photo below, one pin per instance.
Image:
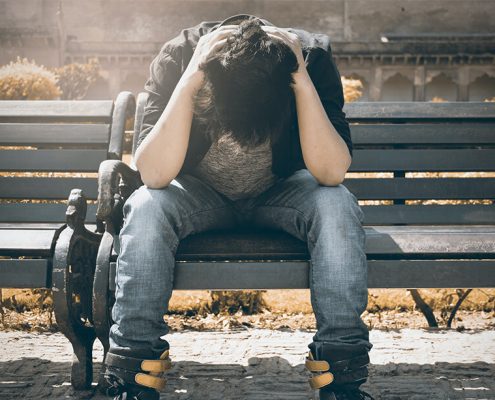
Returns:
(44, 243)
(408, 245)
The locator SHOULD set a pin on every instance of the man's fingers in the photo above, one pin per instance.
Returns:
(218, 45)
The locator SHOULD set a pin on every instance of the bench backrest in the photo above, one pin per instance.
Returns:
(47, 148)
(398, 139)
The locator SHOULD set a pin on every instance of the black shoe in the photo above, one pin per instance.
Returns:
(349, 394)
(126, 377)
(121, 390)
(338, 371)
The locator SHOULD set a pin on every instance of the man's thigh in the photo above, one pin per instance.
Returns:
(188, 204)
(296, 203)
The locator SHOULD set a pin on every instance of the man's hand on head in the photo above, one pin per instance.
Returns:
(208, 46)
(292, 40)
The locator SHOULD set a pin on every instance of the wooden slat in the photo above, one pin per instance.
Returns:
(417, 111)
(438, 134)
(381, 242)
(430, 241)
(423, 160)
(37, 225)
(25, 274)
(39, 213)
(24, 242)
(51, 160)
(54, 134)
(429, 214)
(295, 274)
(40, 110)
(46, 188)
(421, 188)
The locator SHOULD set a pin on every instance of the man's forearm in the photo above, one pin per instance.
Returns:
(324, 151)
(161, 155)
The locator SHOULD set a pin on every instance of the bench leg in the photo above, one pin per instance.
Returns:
(74, 263)
(103, 298)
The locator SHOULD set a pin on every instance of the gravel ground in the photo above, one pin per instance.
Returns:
(267, 364)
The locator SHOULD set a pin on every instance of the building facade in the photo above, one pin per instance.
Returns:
(401, 50)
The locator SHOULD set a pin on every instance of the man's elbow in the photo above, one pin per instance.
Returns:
(150, 177)
(330, 179)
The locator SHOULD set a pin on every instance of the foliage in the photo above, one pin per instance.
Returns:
(250, 302)
(75, 79)
(353, 89)
(25, 80)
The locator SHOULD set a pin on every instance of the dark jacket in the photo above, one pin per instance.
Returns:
(173, 58)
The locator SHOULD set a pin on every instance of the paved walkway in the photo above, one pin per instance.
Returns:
(262, 364)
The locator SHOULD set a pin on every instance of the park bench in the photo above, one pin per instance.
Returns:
(408, 245)
(47, 148)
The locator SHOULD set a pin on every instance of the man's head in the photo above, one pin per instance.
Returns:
(247, 88)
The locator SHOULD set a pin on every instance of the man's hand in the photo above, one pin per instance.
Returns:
(208, 46)
(324, 151)
(292, 40)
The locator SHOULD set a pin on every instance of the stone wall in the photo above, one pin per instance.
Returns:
(125, 35)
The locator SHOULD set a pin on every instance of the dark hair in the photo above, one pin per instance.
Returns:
(247, 89)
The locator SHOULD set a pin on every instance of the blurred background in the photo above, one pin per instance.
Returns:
(399, 50)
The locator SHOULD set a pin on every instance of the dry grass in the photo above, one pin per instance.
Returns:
(387, 309)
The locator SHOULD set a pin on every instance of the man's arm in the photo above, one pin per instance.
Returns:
(326, 154)
(161, 153)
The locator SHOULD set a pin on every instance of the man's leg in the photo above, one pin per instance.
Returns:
(329, 219)
(155, 220)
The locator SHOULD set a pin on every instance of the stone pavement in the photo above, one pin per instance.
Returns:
(263, 364)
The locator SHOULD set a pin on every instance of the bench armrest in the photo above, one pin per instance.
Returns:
(116, 182)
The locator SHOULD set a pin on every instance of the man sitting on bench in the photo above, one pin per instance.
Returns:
(243, 125)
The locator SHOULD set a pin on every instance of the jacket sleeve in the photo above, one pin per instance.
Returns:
(328, 84)
(164, 76)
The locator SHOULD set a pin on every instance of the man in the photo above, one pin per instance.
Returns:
(243, 125)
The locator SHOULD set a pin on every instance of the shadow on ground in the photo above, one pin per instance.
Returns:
(270, 378)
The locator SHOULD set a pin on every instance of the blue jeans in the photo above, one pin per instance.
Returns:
(328, 218)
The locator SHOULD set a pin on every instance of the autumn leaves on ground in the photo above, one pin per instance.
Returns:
(275, 309)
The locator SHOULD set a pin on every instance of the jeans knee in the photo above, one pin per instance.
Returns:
(337, 202)
(151, 206)
(149, 202)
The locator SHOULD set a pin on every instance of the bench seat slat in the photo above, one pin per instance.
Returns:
(32, 242)
(37, 225)
(421, 188)
(31, 273)
(381, 242)
(377, 160)
(421, 134)
(40, 213)
(46, 188)
(54, 134)
(52, 160)
(295, 274)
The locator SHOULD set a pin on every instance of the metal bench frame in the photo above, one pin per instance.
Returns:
(47, 244)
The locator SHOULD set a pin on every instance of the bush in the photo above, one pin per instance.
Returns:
(353, 89)
(24, 80)
(75, 79)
